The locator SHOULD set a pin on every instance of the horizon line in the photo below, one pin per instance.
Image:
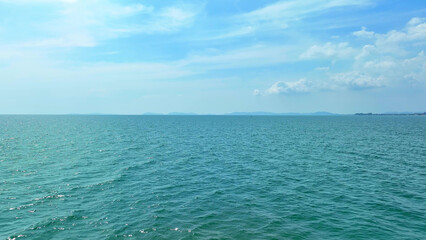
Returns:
(257, 113)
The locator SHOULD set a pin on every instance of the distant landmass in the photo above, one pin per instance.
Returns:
(172, 113)
(181, 113)
(393, 113)
(151, 113)
(281, 114)
(249, 114)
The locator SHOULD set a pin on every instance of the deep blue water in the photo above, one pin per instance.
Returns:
(212, 177)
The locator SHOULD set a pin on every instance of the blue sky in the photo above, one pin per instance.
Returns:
(212, 56)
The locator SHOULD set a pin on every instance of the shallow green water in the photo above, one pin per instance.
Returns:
(212, 177)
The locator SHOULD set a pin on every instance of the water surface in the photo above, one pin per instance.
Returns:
(212, 177)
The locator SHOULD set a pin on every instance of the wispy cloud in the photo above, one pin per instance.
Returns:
(168, 20)
(281, 13)
(238, 32)
(329, 50)
(86, 23)
(37, 1)
(242, 57)
(279, 16)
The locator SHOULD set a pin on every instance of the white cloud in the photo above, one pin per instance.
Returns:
(256, 92)
(380, 65)
(415, 68)
(416, 29)
(364, 33)
(328, 50)
(366, 51)
(384, 62)
(283, 87)
(388, 71)
(390, 57)
(415, 21)
(381, 71)
(393, 41)
(357, 80)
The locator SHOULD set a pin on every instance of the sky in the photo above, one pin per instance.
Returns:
(212, 56)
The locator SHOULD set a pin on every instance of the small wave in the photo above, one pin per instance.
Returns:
(49, 197)
(36, 202)
(97, 184)
(15, 237)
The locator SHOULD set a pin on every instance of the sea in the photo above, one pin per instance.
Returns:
(212, 177)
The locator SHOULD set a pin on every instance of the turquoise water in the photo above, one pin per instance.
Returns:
(212, 177)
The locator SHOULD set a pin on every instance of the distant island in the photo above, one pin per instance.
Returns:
(249, 114)
(392, 114)
(280, 114)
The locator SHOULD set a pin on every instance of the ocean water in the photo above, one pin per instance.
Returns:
(212, 177)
